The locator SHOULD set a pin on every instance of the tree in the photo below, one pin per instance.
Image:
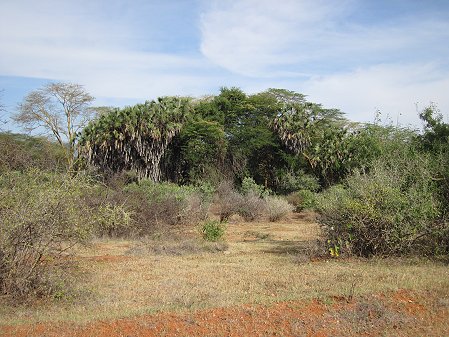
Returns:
(320, 135)
(202, 149)
(436, 132)
(253, 148)
(134, 138)
(61, 109)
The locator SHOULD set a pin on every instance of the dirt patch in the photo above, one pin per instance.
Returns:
(375, 315)
(263, 284)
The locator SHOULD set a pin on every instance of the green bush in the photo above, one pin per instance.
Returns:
(289, 181)
(394, 209)
(42, 215)
(249, 186)
(213, 230)
(302, 199)
(206, 191)
(114, 221)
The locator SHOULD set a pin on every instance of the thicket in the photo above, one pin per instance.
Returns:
(398, 205)
(42, 216)
(159, 205)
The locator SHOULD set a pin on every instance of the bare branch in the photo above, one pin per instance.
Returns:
(61, 109)
(2, 110)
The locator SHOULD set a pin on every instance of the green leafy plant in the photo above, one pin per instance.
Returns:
(249, 186)
(302, 200)
(289, 181)
(213, 230)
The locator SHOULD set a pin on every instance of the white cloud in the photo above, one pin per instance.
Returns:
(107, 72)
(73, 41)
(260, 38)
(393, 89)
(249, 36)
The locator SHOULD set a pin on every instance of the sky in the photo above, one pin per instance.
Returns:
(360, 56)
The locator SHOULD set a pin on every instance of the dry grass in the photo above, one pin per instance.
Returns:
(251, 270)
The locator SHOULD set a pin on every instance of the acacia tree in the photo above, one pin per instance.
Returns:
(253, 148)
(134, 138)
(61, 109)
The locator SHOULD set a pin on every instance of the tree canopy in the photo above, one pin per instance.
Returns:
(134, 138)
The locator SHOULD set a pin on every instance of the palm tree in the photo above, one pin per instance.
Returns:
(134, 138)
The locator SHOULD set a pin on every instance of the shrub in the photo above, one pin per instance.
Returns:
(113, 221)
(288, 181)
(21, 152)
(253, 203)
(394, 209)
(228, 200)
(42, 216)
(252, 206)
(302, 199)
(206, 191)
(250, 187)
(278, 208)
(162, 204)
(213, 230)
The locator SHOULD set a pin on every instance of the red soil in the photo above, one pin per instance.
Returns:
(399, 314)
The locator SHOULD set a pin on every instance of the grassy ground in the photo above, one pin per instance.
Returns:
(262, 263)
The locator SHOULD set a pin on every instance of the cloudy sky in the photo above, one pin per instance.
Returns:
(356, 55)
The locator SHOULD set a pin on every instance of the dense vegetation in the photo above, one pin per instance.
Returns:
(379, 190)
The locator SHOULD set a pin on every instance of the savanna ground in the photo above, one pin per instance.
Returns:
(267, 280)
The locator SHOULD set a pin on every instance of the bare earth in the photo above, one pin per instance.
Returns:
(265, 283)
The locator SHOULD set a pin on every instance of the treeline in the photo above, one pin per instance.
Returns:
(276, 137)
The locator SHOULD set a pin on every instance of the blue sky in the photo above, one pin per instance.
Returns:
(358, 56)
